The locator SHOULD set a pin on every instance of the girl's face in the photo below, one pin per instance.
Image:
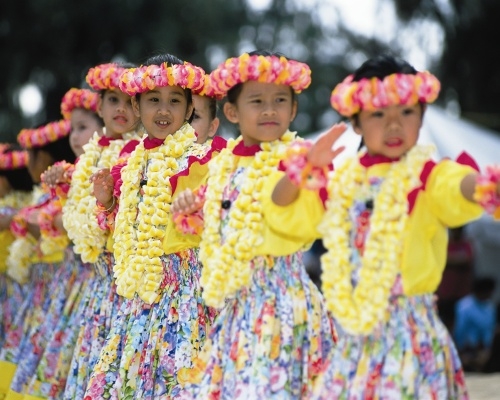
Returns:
(203, 123)
(116, 110)
(390, 131)
(38, 162)
(5, 187)
(263, 111)
(83, 125)
(162, 110)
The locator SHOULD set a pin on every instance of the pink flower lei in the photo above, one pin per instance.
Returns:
(105, 76)
(140, 80)
(12, 160)
(350, 97)
(29, 138)
(267, 69)
(78, 98)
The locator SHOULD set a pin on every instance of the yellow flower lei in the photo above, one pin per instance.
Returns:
(79, 211)
(140, 226)
(226, 266)
(359, 310)
(16, 199)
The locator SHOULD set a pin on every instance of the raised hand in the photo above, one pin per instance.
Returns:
(322, 153)
(103, 187)
(187, 202)
(54, 175)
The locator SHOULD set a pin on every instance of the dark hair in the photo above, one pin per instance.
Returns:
(18, 178)
(483, 285)
(170, 60)
(382, 66)
(234, 92)
(60, 150)
(212, 107)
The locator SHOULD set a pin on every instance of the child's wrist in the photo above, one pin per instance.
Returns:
(300, 171)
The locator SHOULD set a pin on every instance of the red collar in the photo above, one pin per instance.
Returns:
(151, 143)
(367, 160)
(246, 151)
(104, 141)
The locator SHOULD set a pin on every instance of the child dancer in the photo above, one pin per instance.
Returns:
(53, 340)
(26, 262)
(15, 193)
(205, 121)
(385, 229)
(272, 335)
(161, 325)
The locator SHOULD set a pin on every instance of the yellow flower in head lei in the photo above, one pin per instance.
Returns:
(359, 310)
(267, 69)
(105, 76)
(78, 98)
(38, 137)
(349, 97)
(140, 226)
(79, 211)
(226, 266)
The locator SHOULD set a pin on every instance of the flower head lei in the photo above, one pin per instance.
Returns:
(105, 76)
(360, 309)
(78, 212)
(78, 98)
(226, 265)
(140, 80)
(140, 225)
(267, 69)
(14, 159)
(39, 137)
(349, 97)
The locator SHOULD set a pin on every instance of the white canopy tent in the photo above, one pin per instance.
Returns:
(450, 135)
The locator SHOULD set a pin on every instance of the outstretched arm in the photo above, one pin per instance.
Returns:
(320, 155)
(484, 189)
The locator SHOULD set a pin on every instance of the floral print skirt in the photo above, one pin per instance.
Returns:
(11, 297)
(101, 305)
(412, 356)
(49, 379)
(29, 318)
(271, 341)
(151, 350)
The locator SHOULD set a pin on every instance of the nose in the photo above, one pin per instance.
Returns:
(269, 109)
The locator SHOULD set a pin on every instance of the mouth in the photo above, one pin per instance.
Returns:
(394, 142)
(120, 119)
(162, 124)
(269, 123)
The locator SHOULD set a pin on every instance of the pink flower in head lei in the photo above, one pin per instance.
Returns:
(78, 98)
(140, 80)
(39, 137)
(105, 76)
(10, 160)
(350, 97)
(266, 69)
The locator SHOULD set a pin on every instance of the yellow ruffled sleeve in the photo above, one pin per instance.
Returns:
(296, 222)
(445, 198)
(6, 239)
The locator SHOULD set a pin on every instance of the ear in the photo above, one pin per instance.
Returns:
(136, 107)
(231, 112)
(355, 126)
(99, 106)
(214, 125)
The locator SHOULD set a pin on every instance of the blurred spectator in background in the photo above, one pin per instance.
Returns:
(312, 261)
(457, 276)
(475, 325)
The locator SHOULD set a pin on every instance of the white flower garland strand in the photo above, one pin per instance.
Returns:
(359, 310)
(226, 266)
(140, 226)
(79, 211)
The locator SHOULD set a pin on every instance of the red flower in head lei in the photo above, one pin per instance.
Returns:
(39, 137)
(139, 80)
(267, 69)
(105, 76)
(78, 98)
(14, 159)
(350, 97)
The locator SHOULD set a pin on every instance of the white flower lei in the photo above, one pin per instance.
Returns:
(359, 310)
(226, 266)
(16, 199)
(79, 211)
(140, 226)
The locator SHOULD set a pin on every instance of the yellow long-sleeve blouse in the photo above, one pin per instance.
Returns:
(438, 205)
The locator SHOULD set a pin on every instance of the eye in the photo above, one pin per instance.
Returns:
(196, 116)
(377, 114)
(408, 111)
(281, 99)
